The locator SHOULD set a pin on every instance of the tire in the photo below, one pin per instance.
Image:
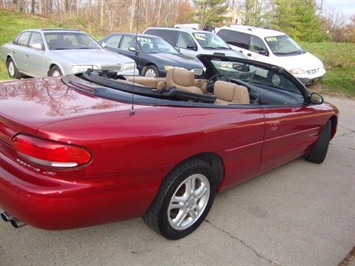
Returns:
(55, 72)
(319, 151)
(275, 79)
(177, 211)
(12, 69)
(150, 71)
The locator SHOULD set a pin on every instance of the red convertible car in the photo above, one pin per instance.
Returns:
(98, 147)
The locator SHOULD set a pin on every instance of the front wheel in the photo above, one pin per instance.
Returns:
(319, 151)
(55, 72)
(150, 71)
(183, 200)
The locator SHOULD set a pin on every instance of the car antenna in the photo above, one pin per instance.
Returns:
(132, 111)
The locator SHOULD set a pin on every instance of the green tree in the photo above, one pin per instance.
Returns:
(298, 19)
(210, 12)
(307, 25)
(253, 12)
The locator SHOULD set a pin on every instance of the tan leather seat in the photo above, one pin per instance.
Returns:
(230, 93)
(182, 79)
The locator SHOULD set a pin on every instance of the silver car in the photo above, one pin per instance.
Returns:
(57, 52)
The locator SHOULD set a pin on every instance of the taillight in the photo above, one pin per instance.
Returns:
(50, 153)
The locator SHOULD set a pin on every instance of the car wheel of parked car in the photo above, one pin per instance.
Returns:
(319, 151)
(183, 200)
(150, 71)
(55, 72)
(12, 69)
(275, 79)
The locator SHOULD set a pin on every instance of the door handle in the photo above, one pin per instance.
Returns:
(274, 125)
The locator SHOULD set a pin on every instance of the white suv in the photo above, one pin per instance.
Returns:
(274, 47)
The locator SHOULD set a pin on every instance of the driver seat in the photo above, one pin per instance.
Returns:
(230, 93)
(182, 79)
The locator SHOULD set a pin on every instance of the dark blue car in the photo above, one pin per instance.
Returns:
(152, 54)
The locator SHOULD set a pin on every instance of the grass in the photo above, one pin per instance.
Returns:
(338, 58)
(339, 61)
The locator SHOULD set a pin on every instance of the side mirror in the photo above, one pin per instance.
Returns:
(241, 67)
(104, 45)
(37, 46)
(192, 47)
(263, 52)
(132, 49)
(316, 98)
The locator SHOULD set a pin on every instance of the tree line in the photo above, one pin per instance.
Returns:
(304, 20)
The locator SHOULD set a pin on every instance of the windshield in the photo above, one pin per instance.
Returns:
(70, 40)
(210, 40)
(155, 45)
(283, 45)
(247, 73)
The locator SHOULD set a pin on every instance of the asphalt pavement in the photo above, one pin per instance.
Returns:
(297, 214)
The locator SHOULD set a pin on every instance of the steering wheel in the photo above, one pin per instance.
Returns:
(211, 81)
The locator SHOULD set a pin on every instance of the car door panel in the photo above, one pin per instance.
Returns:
(18, 53)
(285, 139)
(34, 57)
(184, 41)
(245, 143)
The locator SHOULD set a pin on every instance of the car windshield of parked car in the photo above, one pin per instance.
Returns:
(210, 40)
(155, 45)
(70, 40)
(283, 45)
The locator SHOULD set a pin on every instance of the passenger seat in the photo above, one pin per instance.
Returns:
(182, 79)
(230, 93)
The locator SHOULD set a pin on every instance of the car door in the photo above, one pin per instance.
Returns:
(18, 51)
(123, 44)
(186, 44)
(128, 47)
(244, 133)
(112, 42)
(34, 56)
(289, 130)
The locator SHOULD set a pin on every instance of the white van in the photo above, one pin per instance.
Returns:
(275, 48)
(192, 42)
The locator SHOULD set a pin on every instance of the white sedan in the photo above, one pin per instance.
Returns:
(57, 52)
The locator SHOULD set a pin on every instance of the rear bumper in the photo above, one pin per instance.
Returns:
(56, 204)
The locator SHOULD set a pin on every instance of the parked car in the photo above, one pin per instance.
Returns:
(274, 47)
(57, 52)
(192, 42)
(99, 147)
(152, 54)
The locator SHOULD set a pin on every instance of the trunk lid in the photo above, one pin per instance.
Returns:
(30, 104)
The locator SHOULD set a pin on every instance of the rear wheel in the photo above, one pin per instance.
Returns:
(55, 72)
(183, 201)
(150, 71)
(319, 151)
(12, 69)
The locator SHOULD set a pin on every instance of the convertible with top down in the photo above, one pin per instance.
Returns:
(98, 147)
